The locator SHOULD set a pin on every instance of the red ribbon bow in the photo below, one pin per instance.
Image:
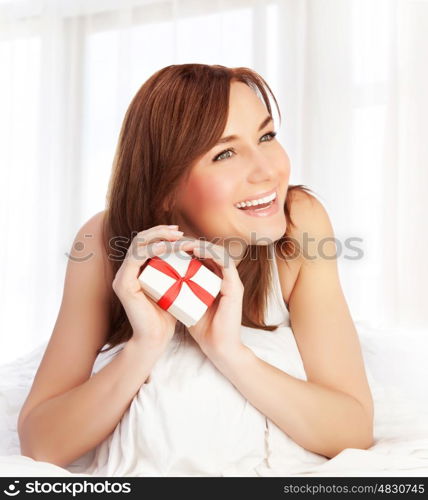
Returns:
(171, 294)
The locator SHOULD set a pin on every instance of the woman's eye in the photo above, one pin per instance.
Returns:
(221, 157)
(271, 134)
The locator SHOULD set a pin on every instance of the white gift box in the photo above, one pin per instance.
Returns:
(187, 306)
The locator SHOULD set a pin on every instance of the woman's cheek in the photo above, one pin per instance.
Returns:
(213, 194)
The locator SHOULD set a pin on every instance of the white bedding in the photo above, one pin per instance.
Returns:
(398, 375)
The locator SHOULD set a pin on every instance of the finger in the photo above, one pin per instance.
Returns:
(142, 253)
(143, 247)
(155, 234)
(140, 249)
(217, 254)
(231, 284)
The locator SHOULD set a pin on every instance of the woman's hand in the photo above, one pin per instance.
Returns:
(218, 331)
(149, 322)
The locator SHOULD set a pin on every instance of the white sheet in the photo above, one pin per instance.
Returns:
(398, 375)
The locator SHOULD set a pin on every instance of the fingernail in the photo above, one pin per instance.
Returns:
(158, 244)
(173, 225)
(178, 233)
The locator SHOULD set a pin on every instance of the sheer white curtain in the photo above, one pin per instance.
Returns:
(350, 77)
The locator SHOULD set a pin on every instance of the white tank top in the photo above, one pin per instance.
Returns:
(190, 420)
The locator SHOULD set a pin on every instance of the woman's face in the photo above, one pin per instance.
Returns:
(241, 169)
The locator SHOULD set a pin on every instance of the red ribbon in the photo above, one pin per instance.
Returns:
(171, 294)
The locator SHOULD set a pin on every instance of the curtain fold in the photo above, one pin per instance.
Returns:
(350, 77)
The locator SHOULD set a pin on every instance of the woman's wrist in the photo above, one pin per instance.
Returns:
(145, 348)
(231, 357)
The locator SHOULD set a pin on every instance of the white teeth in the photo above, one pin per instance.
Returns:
(260, 201)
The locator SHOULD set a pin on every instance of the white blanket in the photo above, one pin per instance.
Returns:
(168, 429)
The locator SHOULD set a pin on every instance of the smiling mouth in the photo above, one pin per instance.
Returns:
(259, 204)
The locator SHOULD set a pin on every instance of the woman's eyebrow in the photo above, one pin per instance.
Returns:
(234, 137)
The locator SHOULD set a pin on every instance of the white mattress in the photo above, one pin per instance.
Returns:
(398, 376)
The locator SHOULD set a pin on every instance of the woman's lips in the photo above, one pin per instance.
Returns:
(262, 195)
(262, 212)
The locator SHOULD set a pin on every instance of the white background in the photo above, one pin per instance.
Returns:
(350, 77)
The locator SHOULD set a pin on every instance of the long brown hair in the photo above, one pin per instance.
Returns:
(177, 115)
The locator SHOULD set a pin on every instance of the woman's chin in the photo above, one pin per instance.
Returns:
(267, 235)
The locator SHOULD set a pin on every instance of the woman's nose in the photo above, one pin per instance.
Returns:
(261, 168)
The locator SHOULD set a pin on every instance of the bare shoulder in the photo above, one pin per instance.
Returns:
(310, 223)
(82, 323)
(309, 216)
(96, 221)
(88, 245)
(90, 234)
(313, 230)
(320, 317)
(93, 227)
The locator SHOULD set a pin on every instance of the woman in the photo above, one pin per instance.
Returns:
(196, 149)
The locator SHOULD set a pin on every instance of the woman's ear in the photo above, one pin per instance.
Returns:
(166, 206)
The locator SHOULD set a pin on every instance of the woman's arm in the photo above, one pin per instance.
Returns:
(68, 412)
(318, 418)
(64, 427)
(333, 409)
